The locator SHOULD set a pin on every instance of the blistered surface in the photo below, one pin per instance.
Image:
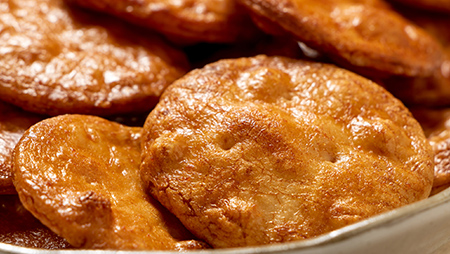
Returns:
(79, 176)
(436, 125)
(184, 20)
(261, 150)
(57, 59)
(431, 91)
(13, 123)
(364, 35)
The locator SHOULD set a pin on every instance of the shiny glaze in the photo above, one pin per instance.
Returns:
(13, 123)
(57, 59)
(363, 35)
(186, 21)
(262, 150)
(79, 175)
(433, 91)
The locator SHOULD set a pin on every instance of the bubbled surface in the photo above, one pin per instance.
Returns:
(79, 175)
(433, 91)
(364, 35)
(268, 149)
(13, 123)
(57, 59)
(186, 21)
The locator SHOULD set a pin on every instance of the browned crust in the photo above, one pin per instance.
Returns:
(188, 21)
(81, 62)
(260, 150)
(380, 40)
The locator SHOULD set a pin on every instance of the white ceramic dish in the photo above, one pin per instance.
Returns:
(419, 228)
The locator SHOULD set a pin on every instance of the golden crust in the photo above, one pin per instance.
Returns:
(365, 35)
(79, 175)
(19, 227)
(13, 123)
(433, 91)
(436, 125)
(441, 147)
(185, 21)
(57, 60)
(259, 150)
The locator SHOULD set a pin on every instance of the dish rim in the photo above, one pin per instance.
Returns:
(335, 236)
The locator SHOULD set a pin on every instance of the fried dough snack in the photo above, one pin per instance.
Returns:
(432, 91)
(79, 175)
(57, 60)
(363, 35)
(260, 150)
(13, 123)
(19, 227)
(436, 125)
(186, 21)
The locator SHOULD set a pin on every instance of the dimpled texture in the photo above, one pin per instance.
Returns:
(364, 35)
(184, 20)
(13, 123)
(79, 175)
(436, 125)
(19, 227)
(269, 149)
(57, 59)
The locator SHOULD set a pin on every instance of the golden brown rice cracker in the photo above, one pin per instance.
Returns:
(79, 175)
(13, 123)
(364, 35)
(436, 125)
(433, 91)
(262, 150)
(185, 21)
(57, 59)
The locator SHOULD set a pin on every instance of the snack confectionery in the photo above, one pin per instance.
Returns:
(58, 59)
(436, 125)
(79, 175)
(441, 145)
(260, 150)
(13, 123)
(433, 91)
(21, 228)
(364, 35)
(247, 152)
(185, 21)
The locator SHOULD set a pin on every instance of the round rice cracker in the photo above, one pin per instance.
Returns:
(13, 123)
(436, 125)
(79, 175)
(58, 59)
(365, 36)
(184, 21)
(260, 150)
(433, 91)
